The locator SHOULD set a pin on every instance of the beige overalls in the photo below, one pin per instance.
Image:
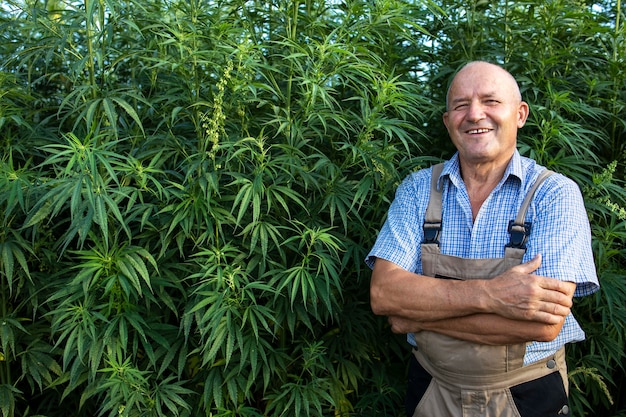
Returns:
(470, 379)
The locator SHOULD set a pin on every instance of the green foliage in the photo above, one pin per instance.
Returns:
(188, 190)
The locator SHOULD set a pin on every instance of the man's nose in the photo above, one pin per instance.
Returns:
(475, 111)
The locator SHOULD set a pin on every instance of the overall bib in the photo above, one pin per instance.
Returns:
(464, 379)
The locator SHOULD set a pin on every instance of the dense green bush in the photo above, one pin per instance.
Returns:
(188, 190)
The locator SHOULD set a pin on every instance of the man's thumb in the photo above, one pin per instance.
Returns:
(532, 265)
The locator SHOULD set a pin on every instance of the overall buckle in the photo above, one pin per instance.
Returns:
(519, 234)
(431, 232)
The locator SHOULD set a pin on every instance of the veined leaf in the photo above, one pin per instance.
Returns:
(8, 394)
(129, 110)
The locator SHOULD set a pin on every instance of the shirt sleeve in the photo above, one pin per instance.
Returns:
(400, 237)
(561, 233)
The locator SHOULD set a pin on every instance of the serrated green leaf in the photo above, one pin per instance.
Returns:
(129, 110)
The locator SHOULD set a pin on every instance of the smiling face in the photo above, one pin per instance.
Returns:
(485, 110)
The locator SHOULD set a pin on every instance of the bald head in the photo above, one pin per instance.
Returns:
(496, 73)
(485, 111)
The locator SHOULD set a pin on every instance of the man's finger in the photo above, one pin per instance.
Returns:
(529, 266)
(562, 287)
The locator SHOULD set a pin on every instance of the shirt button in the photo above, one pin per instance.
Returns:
(551, 364)
(564, 410)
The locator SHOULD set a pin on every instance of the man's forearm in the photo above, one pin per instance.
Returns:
(489, 329)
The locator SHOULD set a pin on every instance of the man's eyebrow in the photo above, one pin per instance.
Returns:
(482, 97)
(490, 95)
(459, 100)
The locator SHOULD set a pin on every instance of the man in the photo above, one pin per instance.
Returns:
(481, 280)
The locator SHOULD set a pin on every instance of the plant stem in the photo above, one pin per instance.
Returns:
(91, 55)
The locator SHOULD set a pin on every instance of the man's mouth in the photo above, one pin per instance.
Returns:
(477, 131)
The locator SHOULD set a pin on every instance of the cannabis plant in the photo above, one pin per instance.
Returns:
(188, 190)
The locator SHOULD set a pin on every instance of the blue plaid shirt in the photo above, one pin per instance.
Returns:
(560, 230)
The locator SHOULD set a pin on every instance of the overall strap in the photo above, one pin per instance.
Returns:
(432, 219)
(519, 229)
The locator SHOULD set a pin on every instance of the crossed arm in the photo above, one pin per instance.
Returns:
(514, 307)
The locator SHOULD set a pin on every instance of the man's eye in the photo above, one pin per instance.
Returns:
(460, 106)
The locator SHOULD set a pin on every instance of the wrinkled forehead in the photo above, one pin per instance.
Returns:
(485, 80)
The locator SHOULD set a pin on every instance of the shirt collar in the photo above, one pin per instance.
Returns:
(452, 169)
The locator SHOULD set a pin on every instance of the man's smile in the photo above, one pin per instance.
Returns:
(478, 131)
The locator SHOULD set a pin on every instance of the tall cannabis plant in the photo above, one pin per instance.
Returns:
(188, 198)
(188, 190)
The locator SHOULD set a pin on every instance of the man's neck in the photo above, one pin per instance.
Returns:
(480, 180)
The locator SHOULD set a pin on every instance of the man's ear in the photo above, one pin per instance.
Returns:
(522, 114)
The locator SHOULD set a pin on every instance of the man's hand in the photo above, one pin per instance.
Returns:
(521, 295)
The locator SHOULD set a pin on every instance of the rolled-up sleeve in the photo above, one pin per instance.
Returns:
(561, 233)
(400, 237)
